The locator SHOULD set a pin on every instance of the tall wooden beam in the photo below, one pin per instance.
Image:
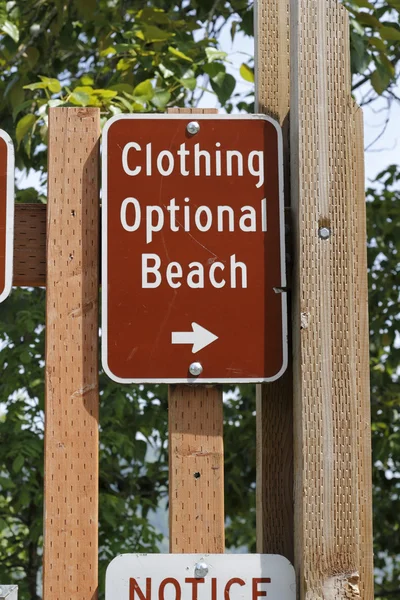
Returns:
(196, 469)
(71, 432)
(360, 290)
(196, 460)
(326, 348)
(275, 400)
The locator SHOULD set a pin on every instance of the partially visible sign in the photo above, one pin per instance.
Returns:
(200, 577)
(6, 213)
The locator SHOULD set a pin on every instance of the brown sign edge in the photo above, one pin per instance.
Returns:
(104, 247)
(9, 215)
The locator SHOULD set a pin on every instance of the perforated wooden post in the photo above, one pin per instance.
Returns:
(331, 545)
(196, 488)
(71, 433)
(275, 400)
(196, 460)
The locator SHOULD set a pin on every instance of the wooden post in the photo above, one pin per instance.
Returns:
(360, 290)
(275, 400)
(196, 460)
(196, 469)
(326, 346)
(71, 433)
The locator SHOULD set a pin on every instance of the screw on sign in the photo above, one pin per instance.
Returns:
(193, 249)
(6, 213)
(197, 577)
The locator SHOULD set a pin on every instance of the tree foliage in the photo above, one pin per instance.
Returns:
(131, 56)
(375, 37)
(383, 256)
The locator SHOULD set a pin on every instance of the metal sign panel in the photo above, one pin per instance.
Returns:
(6, 213)
(193, 249)
(200, 577)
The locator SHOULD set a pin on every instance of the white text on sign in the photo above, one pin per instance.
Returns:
(171, 589)
(179, 215)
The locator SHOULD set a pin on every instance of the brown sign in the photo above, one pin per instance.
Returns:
(6, 213)
(193, 249)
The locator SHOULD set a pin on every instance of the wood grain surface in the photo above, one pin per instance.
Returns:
(360, 290)
(326, 410)
(196, 459)
(196, 469)
(275, 400)
(71, 403)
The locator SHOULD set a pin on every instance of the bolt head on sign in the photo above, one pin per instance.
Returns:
(6, 213)
(193, 249)
(178, 577)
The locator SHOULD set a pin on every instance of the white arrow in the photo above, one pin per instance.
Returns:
(199, 337)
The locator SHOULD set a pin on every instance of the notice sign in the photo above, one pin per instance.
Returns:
(6, 213)
(194, 285)
(200, 577)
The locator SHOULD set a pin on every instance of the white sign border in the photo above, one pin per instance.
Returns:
(104, 246)
(172, 562)
(9, 257)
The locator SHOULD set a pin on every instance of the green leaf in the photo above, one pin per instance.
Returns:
(24, 126)
(223, 85)
(105, 94)
(189, 83)
(153, 15)
(3, 12)
(380, 80)
(188, 80)
(363, 4)
(36, 86)
(377, 43)
(108, 51)
(20, 108)
(214, 54)
(87, 80)
(16, 95)
(389, 33)
(234, 27)
(11, 29)
(247, 73)
(79, 98)
(125, 63)
(368, 20)
(32, 56)
(18, 463)
(161, 99)
(122, 87)
(52, 84)
(212, 69)
(152, 34)
(179, 54)
(55, 102)
(387, 64)
(144, 90)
